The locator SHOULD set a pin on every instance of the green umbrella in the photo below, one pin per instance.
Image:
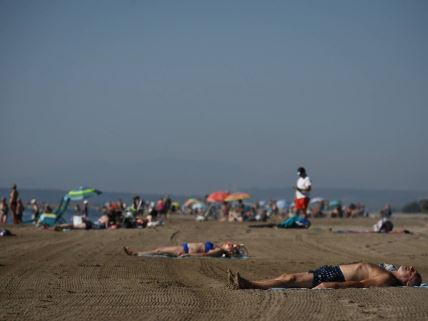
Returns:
(82, 193)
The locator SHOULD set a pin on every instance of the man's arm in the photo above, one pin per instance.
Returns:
(375, 282)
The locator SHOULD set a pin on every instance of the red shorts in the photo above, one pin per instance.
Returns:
(301, 203)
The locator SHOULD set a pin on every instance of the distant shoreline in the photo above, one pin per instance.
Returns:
(374, 200)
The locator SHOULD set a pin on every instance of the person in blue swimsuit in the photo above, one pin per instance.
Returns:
(226, 249)
(355, 275)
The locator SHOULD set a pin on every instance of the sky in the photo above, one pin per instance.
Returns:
(192, 96)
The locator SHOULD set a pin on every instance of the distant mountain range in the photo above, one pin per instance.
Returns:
(373, 199)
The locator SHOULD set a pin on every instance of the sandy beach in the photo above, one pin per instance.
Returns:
(85, 275)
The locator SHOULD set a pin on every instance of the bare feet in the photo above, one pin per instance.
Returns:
(128, 251)
(236, 281)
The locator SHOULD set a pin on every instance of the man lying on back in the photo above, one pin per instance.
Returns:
(355, 275)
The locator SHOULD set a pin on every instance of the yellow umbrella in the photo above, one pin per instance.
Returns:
(237, 197)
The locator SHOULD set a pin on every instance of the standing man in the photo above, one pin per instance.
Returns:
(86, 209)
(20, 208)
(13, 203)
(303, 187)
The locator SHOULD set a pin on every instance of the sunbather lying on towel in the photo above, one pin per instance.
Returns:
(291, 222)
(356, 275)
(227, 249)
(382, 226)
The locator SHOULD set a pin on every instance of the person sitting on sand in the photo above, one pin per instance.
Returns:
(384, 225)
(227, 249)
(82, 223)
(355, 275)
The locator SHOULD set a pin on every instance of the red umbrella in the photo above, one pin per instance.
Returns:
(217, 196)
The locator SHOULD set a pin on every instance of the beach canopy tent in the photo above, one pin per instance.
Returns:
(238, 196)
(82, 193)
(217, 197)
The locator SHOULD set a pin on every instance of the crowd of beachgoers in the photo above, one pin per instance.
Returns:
(140, 213)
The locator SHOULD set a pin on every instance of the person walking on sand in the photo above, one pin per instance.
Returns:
(20, 208)
(4, 210)
(355, 275)
(13, 202)
(302, 188)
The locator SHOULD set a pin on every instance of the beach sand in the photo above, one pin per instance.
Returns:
(85, 275)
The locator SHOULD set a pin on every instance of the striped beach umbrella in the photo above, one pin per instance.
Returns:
(82, 193)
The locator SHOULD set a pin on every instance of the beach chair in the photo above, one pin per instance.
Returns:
(52, 219)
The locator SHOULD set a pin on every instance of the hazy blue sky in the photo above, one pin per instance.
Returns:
(188, 96)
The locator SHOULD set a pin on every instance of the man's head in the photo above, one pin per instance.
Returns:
(234, 250)
(228, 247)
(301, 171)
(408, 276)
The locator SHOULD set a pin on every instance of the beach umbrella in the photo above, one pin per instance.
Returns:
(217, 196)
(262, 203)
(316, 200)
(238, 196)
(190, 202)
(281, 204)
(82, 193)
(175, 204)
(334, 204)
(199, 206)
